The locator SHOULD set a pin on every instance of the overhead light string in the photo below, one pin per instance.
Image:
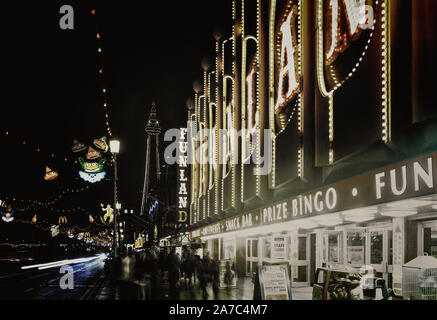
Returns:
(101, 74)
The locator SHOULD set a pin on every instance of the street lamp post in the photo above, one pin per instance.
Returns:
(115, 149)
(120, 230)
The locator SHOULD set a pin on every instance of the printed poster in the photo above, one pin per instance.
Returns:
(278, 248)
(274, 282)
(227, 274)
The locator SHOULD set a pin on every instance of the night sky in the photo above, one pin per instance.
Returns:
(51, 88)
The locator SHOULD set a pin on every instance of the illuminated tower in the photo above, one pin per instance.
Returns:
(153, 129)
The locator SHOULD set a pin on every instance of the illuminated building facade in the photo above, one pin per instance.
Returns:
(338, 86)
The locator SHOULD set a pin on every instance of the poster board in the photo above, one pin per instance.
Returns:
(278, 248)
(227, 274)
(272, 283)
(398, 254)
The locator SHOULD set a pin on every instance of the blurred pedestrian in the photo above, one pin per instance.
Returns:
(173, 274)
(204, 273)
(188, 266)
(215, 276)
(153, 267)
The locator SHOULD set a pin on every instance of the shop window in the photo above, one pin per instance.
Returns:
(356, 245)
(333, 248)
(255, 248)
(267, 248)
(302, 274)
(430, 241)
(390, 247)
(229, 249)
(376, 247)
(254, 266)
(302, 248)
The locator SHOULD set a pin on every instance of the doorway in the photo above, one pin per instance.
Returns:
(379, 245)
(252, 256)
(301, 264)
(428, 238)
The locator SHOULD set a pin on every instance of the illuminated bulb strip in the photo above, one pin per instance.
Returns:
(234, 53)
(203, 164)
(321, 55)
(194, 171)
(299, 103)
(385, 68)
(217, 129)
(224, 104)
(205, 97)
(272, 88)
(321, 71)
(300, 96)
(243, 98)
(257, 97)
(331, 128)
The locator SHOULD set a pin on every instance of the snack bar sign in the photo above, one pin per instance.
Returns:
(413, 178)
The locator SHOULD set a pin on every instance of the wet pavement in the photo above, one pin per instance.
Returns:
(44, 284)
(125, 290)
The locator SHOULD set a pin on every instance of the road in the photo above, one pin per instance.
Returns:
(42, 282)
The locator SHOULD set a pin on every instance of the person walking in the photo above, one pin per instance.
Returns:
(173, 274)
(153, 268)
(215, 274)
(204, 273)
(188, 268)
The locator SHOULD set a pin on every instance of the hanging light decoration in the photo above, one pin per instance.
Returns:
(6, 212)
(54, 230)
(50, 175)
(108, 217)
(62, 220)
(93, 161)
(70, 233)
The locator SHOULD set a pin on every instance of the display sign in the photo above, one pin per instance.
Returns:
(274, 283)
(183, 187)
(227, 274)
(229, 249)
(398, 254)
(408, 179)
(278, 248)
(287, 75)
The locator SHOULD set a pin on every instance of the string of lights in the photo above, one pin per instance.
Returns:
(101, 74)
(31, 146)
(65, 216)
(69, 230)
(47, 204)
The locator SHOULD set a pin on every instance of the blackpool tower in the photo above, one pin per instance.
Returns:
(153, 130)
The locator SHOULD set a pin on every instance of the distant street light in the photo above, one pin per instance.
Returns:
(115, 146)
(115, 149)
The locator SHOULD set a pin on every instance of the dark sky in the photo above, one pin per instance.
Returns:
(51, 89)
